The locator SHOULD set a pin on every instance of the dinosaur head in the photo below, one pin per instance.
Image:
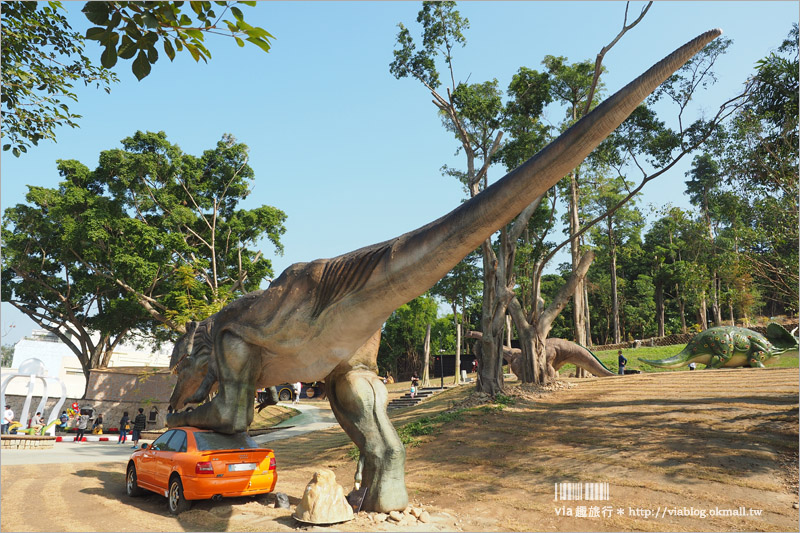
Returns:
(190, 362)
(782, 341)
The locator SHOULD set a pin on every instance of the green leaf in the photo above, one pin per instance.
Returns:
(238, 41)
(193, 50)
(141, 67)
(109, 57)
(127, 49)
(6, 147)
(264, 45)
(185, 21)
(149, 20)
(95, 34)
(248, 3)
(96, 12)
(197, 34)
(152, 55)
(15, 151)
(237, 13)
(169, 50)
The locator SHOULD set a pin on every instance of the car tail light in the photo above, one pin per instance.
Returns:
(204, 467)
(272, 463)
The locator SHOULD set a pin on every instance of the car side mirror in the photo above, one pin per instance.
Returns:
(144, 446)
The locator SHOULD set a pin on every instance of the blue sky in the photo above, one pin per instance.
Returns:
(351, 154)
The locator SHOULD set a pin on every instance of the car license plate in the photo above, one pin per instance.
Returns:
(241, 467)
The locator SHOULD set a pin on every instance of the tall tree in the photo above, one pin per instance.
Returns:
(472, 112)
(42, 58)
(151, 238)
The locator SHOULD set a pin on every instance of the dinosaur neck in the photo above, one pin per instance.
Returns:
(422, 257)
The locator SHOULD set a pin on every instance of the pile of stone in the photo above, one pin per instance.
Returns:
(405, 518)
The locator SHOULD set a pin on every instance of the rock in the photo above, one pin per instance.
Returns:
(424, 517)
(323, 501)
(796, 505)
(407, 520)
(396, 515)
(416, 511)
(281, 500)
(380, 517)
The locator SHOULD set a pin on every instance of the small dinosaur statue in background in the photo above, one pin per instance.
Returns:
(730, 346)
(558, 352)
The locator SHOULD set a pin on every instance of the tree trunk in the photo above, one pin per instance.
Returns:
(587, 315)
(702, 313)
(426, 375)
(717, 308)
(681, 310)
(660, 309)
(613, 272)
(578, 304)
(457, 379)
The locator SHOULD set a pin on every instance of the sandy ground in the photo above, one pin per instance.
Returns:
(711, 450)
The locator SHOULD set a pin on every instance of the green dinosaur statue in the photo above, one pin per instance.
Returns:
(729, 346)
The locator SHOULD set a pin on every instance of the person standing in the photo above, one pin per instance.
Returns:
(139, 423)
(83, 422)
(8, 417)
(124, 427)
(298, 388)
(622, 362)
(414, 385)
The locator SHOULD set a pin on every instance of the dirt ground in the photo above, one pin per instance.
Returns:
(711, 450)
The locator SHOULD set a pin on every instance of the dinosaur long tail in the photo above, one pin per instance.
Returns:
(595, 368)
(676, 361)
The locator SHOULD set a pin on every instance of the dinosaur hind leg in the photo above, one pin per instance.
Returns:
(358, 399)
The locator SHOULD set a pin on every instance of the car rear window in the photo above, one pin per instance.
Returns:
(210, 441)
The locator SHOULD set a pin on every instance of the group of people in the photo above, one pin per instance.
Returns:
(135, 427)
(139, 424)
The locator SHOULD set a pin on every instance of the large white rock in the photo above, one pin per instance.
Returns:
(324, 501)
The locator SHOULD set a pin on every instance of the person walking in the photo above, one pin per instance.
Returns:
(621, 361)
(8, 418)
(83, 423)
(124, 427)
(139, 423)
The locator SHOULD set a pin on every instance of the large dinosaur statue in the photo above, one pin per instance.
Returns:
(321, 320)
(730, 346)
(558, 352)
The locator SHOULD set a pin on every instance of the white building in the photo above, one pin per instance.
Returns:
(62, 363)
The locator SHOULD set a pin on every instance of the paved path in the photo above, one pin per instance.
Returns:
(311, 418)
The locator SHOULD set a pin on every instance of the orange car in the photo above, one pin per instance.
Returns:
(188, 463)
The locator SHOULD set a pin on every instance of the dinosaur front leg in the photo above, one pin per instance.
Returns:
(757, 358)
(358, 399)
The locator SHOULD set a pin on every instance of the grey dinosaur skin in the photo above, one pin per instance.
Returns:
(560, 352)
(730, 346)
(320, 320)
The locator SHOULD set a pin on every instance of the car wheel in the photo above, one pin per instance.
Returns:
(131, 484)
(177, 503)
(284, 395)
